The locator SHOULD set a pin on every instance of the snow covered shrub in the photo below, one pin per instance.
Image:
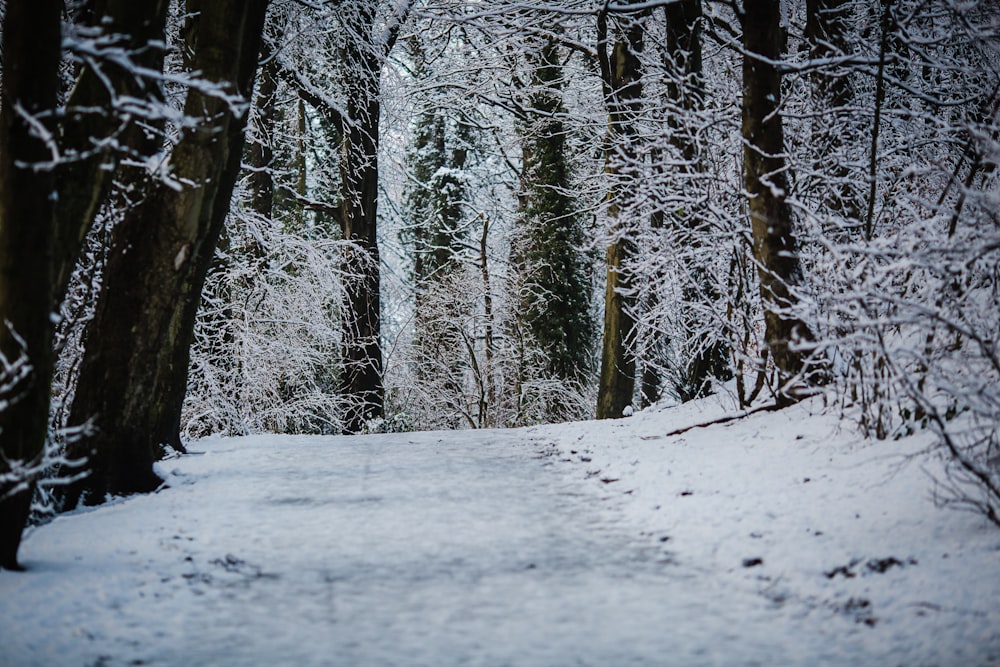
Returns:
(907, 294)
(50, 467)
(399, 422)
(951, 371)
(15, 374)
(267, 349)
(445, 376)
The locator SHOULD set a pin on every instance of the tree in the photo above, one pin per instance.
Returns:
(31, 55)
(260, 152)
(765, 180)
(435, 196)
(365, 49)
(115, 111)
(827, 35)
(554, 276)
(134, 373)
(621, 79)
(910, 296)
(437, 232)
(704, 354)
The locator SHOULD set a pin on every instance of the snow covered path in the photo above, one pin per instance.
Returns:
(507, 548)
(398, 550)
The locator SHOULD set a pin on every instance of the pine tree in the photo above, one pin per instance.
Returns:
(549, 250)
(437, 232)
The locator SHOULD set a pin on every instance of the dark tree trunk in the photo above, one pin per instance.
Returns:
(827, 24)
(621, 75)
(362, 379)
(685, 87)
(357, 126)
(827, 30)
(260, 152)
(766, 185)
(890, 44)
(702, 361)
(134, 372)
(31, 53)
(131, 30)
(617, 381)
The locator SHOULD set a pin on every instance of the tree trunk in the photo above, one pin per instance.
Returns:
(134, 372)
(766, 184)
(487, 411)
(31, 54)
(703, 358)
(362, 379)
(130, 30)
(436, 206)
(261, 153)
(887, 40)
(622, 84)
(617, 382)
(826, 34)
(684, 89)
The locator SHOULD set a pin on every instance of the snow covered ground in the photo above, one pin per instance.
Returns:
(777, 539)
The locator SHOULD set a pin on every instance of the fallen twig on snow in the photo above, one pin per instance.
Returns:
(770, 407)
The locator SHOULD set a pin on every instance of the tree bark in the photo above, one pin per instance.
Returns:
(261, 153)
(620, 70)
(826, 34)
(886, 40)
(134, 372)
(362, 353)
(702, 360)
(97, 131)
(31, 54)
(766, 184)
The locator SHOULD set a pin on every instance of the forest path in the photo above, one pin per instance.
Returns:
(410, 549)
(779, 539)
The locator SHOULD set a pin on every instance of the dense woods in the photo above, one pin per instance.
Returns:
(346, 217)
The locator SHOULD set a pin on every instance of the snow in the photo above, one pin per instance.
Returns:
(779, 538)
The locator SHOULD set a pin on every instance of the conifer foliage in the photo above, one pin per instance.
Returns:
(551, 241)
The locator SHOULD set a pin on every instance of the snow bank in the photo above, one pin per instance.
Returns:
(840, 536)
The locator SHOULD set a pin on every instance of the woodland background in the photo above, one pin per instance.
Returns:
(357, 216)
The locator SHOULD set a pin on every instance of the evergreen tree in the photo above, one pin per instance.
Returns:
(437, 232)
(435, 199)
(549, 251)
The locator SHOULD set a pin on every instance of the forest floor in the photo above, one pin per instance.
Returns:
(778, 539)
